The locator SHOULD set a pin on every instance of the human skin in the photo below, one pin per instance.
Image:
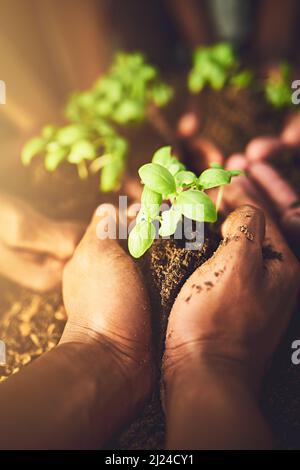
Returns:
(223, 330)
(33, 248)
(84, 390)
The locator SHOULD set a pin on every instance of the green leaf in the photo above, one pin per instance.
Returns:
(49, 132)
(214, 177)
(196, 81)
(151, 202)
(236, 172)
(157, 178)
(82, 150)
(32, 148)
(161, 94)
(169, 222)
(141, 238)
(185, 178)
(196, 205)
(111, 175)
(223, 53)
(217, 165)
(70, 134)
(54, 158)
(163, 156)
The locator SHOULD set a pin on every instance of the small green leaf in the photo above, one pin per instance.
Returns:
(49, 132)
(54, 158)
(141, 238)
(157, 178)
(196, 205)
(82, 150)
(32, 148)
(70, 134)
(196, 81)
(185, 178)
(169, 222)
(214, 177)
(161, 94)
(242, 79)
(111, 175)
(217, 165)
(163, 156)
(236, 172)
(151, 202)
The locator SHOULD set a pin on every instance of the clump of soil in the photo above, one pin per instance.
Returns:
(166, 266)
(287, 162)
(232, 117)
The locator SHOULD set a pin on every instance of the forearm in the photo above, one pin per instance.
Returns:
(211, 407)
(75, 396)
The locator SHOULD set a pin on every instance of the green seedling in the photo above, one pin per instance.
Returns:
(278, 86)
(91, 148)
(123, 95)
(167, 179)
(216, 66)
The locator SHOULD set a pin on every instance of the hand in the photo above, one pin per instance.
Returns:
(33, 248)
(235, 308)
(107, 303)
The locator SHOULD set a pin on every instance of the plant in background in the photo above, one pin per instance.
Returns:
(167, 179)
(277, 86)
(95, 147)
(126, 94)
(129, 92)
(216, 66)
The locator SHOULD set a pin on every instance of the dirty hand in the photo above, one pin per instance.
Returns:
(106, 300)
(33, 248)
(236, 307)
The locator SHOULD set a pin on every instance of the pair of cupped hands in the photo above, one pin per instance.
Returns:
(233, 323)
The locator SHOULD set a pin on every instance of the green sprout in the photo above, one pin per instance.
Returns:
(123, 95)
(278, 86)
(167, 179)
(216, 66)
(90, 148)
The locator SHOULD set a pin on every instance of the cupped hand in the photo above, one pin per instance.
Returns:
(33, 248)
(236, 307)
(105, 297)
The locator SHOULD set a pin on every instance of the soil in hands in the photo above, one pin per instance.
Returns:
(166, 266)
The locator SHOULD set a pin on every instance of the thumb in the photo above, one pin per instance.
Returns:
(243, 234)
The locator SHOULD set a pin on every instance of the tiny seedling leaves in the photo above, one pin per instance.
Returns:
(169, 222)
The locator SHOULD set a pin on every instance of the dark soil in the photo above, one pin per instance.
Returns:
(232, 117)
(287, 163)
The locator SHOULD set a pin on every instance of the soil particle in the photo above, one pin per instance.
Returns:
(269, 253)
(249, 235)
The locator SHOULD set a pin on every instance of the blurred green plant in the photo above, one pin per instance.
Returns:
(90, 140)
(216, 66)
(167, 179)
(123, 95)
